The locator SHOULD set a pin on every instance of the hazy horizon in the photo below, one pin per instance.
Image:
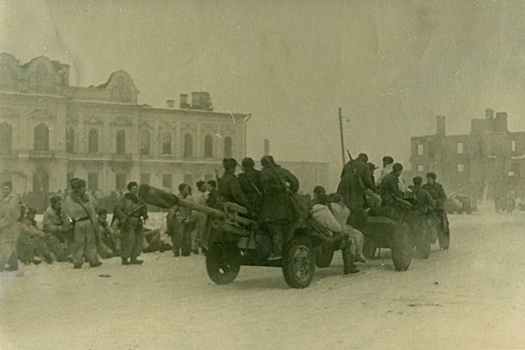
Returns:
(391, 66)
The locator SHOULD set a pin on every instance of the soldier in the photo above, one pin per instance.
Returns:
(277, 210)
(198, 217)
(58, 236)
(104, 241)
(31, 242)
(424, 200)
(9, 224)
(212, 195)
(356, 179)
(78, 212)
(389, 188)
(130, 214)
(322, 214)
(229, 187)
(179, 224)
(438, 194)
(388, 163)
(436, 190)
(250, 181)
(341, 213)
(109, 234)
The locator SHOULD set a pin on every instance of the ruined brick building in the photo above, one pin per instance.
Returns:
(489, 160)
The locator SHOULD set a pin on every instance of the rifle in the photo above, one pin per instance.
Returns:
(354, 171)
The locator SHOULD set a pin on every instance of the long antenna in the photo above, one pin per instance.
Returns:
(342, 137)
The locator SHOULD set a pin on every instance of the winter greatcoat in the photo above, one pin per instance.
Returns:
(276, 205)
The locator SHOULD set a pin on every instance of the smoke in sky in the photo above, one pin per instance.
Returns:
(391, 65)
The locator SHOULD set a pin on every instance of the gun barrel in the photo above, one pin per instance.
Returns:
(159, 198)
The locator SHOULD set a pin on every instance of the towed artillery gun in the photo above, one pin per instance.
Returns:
(234, 239)
(401, 229)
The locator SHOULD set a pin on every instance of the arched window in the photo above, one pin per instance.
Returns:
(208, 147)
(41, 138)
(40, 181)
(166, 143)
(188, 146)
(144, 142)
(6, 138)
(121, 142)
(228, 147)
(93, 141)
(70, 140)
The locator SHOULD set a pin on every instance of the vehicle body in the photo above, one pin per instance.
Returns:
(235, 239)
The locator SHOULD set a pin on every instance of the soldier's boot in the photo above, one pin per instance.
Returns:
(277, 248)
(49, 257)
(125, 261)
(348, 261)
(135, 261)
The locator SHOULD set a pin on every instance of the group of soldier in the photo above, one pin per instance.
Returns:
(76, 230)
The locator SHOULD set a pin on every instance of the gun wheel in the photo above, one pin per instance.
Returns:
(299, 263)
(223, 262)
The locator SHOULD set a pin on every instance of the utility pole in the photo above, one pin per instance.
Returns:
(342, 137)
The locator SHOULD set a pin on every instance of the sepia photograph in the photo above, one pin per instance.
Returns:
(253, 175)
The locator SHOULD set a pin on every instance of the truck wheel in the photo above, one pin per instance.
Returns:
(444, 235)
(444, 240)
(423, 244)
(324, 255)
(223, 262)
(298, 263)
(402, 247)
(369, 248)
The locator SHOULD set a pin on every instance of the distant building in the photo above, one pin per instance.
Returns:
(488, 160)
(51, 131)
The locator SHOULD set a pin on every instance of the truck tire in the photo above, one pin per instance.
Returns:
(298, 263)
(324, 254)
(369, 248)
(423, 244)
(444, 235)
(402, 247)
(223, 262)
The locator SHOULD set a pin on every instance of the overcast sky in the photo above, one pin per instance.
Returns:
(391, 65)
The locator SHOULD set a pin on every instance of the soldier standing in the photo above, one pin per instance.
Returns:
(277, 209)
(130, 214)
(438, 194)
(356, 178)
(199, 218)
(78, 211)
(179, 224)
(9, 224)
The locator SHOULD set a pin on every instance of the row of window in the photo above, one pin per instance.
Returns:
(460, 148)
(121, 180)
(41, 142)
(460, 168)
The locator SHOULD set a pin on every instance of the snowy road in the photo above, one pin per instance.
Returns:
(472, 296)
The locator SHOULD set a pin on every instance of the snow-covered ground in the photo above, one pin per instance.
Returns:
(472, 296)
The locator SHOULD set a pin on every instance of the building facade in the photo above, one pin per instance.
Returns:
(485, 162)
(51, 131)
